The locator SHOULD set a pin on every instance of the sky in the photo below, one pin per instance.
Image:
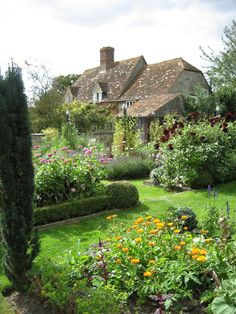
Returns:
(66, 35)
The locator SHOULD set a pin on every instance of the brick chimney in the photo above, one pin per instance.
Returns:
(106, 57)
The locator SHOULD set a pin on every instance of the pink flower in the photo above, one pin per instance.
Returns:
(36, 146)
(50, 155)
(37, 155)
(64, 148)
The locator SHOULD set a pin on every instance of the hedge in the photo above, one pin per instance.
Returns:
(68, 210)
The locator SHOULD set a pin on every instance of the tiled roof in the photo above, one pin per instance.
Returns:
(150, 105)
(157, 79)
(116, 79)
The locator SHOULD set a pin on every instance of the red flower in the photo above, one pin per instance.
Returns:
(170, 146)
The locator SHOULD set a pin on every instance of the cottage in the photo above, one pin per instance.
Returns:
(145, 90)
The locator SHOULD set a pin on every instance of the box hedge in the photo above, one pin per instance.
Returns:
(123, 194)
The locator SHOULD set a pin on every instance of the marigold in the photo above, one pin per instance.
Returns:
(176, 231)
(182, 243)
(119, 246)
(194, 256)
(154, 231)
(152, 261)
(169, 224)
(125, 249)
(201, 258)
(156, 220)
(177, 247)
(140, 230)
(134, 227)
(203, 252)
(151, 243)
(118, 238)
(184, 217)
(138, 220)
(135, 260)
(147, 223)
(195, 251)
(147, 274)
(185, 228)
(138, 240)
(128, 230)
(118, 261)
(148, 217)
(160, 225)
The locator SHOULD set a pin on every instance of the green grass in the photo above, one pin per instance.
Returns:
(154, 201)
(5, 307)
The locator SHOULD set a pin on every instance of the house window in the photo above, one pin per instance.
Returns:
(104, 95)
(128, 103)
(97, 97)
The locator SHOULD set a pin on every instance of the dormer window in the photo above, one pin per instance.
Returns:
(99, 92)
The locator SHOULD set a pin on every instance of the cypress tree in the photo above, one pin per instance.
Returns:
(20, 242)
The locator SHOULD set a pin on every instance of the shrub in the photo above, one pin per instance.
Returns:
(76, 208)
(129, 168)
(186, 216)
(123, 194)
(197, 154)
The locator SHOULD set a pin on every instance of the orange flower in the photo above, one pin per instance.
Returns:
(135, 260)
(182, 243)
(109, 217)
(138, 220)
(156, 221)
(139, 230)
(203, 252)
(119, 246)
(160, 225)
(118, 238)
(151, 243)
(128, 230)
(201, 258)
(125, 249)
(195, 251)
(152, 261)
(138, 240)
(118, 261)
(177, 247)
(134, 227)
(176, 231)
(194, 256)
(154, 231)
(147, 274)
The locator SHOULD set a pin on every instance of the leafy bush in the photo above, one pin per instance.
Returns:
(123, 194)
(59, 179)
(129, 168)
(72, 209)
(196, 154)
(186, 215)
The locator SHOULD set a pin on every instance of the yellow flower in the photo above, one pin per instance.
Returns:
(147, 274)
(138, 240)
(201, 258)
(185, 228)
(204, 231)
(160, 225)
(177, 247)
(114, 216)
(135, 260)
(128, 230)
(119, 246)
(148, 217)
(176, 231)
(182, 243)
(203, 252)
(134, 227)
(151, 243)
(169, 224)
(139, 230)
(156, 221)
(154, 231)
(194, 256)
(109, 217)
(184, 217)
(195, 251)
(118, 237)
(138, 220)
(98, 257)
(118, 261)
(125, 249)
(152, 261)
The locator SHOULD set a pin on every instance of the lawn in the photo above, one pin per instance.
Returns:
(154, 201)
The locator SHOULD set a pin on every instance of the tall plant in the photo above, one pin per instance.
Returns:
(20, 243)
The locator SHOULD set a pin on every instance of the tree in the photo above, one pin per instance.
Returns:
(20, 242)
(222, 68)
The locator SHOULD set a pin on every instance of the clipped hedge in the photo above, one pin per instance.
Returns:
(68, 210)
(123, 194)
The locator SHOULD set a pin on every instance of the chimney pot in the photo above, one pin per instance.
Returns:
(106, 57)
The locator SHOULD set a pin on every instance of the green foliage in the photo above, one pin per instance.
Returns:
(197, 154)
(20, 242)
(123, 194)
(61, 82)
(221, 69)
(186, 216)
(59, 179)
(129, 168)
(225, 301)
(202, 102)
(72, 209)
(155, 130)
(226, 99)
(69, 133)
(126, 138)
(87, 118)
